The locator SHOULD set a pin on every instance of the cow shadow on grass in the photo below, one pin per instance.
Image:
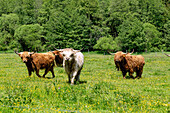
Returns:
(77, 83)
(48, 77)
(129, 77)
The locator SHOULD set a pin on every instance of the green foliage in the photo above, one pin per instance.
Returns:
(166, 39)
(152, 37)
(130, 35)
(29, 37)
(8, 24)
(101, 87)
(80, 23)
(106, 43)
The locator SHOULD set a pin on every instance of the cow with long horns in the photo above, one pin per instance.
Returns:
(37, 61)
(73, 61)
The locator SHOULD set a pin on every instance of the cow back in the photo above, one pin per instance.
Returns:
(134, 61)
(43, 60)
(80, 59)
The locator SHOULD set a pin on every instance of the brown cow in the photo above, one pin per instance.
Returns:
(117, 57)
(59, 56)
(37, 61)
(132, 63)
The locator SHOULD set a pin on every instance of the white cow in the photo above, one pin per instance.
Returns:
(73, 61)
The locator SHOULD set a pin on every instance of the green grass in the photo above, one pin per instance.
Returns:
(102, 88)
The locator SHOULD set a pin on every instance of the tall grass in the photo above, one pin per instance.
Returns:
(102, 88)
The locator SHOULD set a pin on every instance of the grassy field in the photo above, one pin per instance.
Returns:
(102, 88)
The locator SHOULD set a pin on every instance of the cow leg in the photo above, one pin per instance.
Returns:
(141, 71)
(69, 76)
(139, 74)
(78, 75)
(124, 74)
(52, 71)
(29, 72)
(69, 80)
(46, 71)
(73, 77)
(117, 66)
(37, 73)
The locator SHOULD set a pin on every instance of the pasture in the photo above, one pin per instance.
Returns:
(102, 88)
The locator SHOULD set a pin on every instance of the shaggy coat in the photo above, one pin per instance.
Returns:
(58, 58)
(73, 61)
(37, 61)
(117, 57)
(132, 63)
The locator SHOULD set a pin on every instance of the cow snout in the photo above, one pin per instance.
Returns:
(117, 61)
(25, 61)
(67, 59)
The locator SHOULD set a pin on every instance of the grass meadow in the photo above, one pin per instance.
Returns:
(102, 88)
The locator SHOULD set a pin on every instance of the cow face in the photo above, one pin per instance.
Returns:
(69, 55)
(56, 53)
(118, 57)
(58, 57)
(25, 56)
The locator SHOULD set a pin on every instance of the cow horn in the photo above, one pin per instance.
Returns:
(81, 49)
(31, 53)
(16, 52)
(132, 51)
(55, 48)
(111, 53)
(167, 55)
(76, 51)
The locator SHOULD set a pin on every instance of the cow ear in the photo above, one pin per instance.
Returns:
(53, 52)
(18, 54)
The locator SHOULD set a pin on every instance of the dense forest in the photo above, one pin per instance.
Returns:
(40, 25)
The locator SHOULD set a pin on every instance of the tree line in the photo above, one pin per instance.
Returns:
(39, 25)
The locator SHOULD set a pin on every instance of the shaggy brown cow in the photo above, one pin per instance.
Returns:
(117, 57)
(37, 61)
(59, 56)
(132, 63)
